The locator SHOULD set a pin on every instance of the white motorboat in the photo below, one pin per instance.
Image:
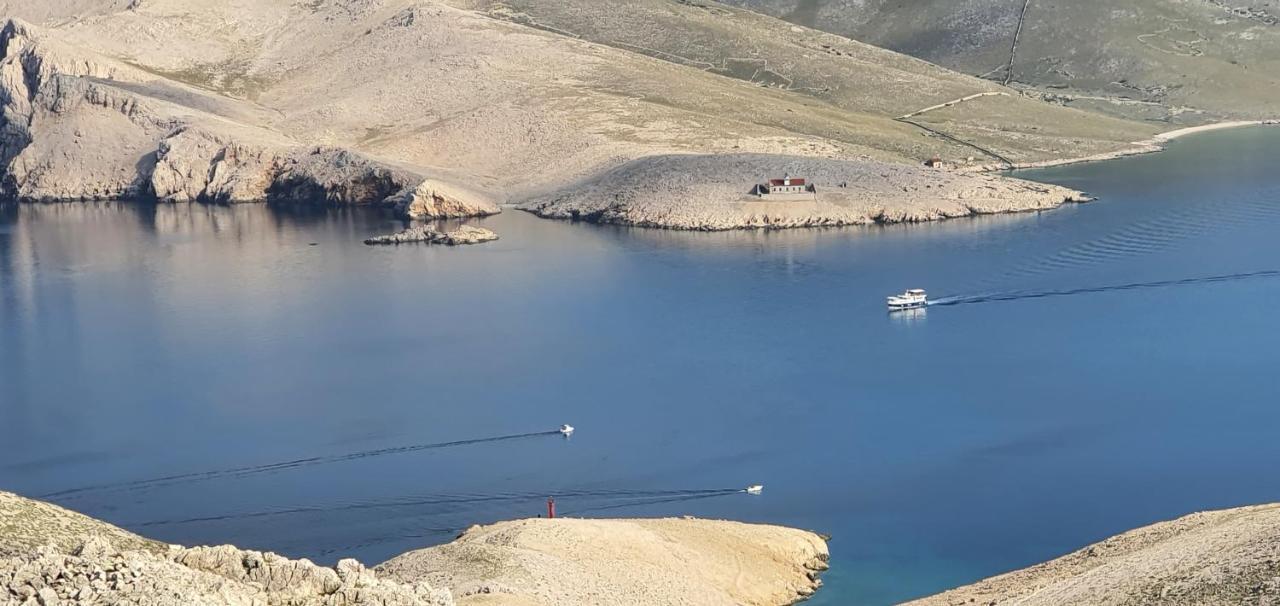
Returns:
(911, 299)
(566, 430)
(754, 489)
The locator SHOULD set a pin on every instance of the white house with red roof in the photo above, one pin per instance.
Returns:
(786, 186)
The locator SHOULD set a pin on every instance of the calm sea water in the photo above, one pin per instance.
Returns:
(1099, 367)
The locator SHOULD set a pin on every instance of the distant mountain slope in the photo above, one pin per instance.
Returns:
(1190, 62)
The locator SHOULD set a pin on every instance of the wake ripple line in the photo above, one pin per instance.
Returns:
(285, 465)
(1040, 294)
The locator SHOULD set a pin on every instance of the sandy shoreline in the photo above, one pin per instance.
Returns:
(1148, 146)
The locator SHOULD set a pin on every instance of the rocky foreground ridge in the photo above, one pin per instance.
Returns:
(1228, 557)
(49, 555)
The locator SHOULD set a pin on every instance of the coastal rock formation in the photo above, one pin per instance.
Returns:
(77, 126)
(49, 555)
(433, 199)
(463, 235)
(573, 562)
(197, 166)
(1218, 557)
(699, 192)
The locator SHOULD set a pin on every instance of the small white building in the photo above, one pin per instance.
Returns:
(786, 186)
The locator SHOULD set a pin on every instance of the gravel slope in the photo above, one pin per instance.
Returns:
(575, 562)
(1228, 557)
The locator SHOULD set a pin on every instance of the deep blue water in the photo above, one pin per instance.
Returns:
(1042, 411)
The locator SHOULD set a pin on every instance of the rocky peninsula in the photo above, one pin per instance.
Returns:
(709, 193)
(50, 555)
(1230, 556)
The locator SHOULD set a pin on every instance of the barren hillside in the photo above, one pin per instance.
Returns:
(358, 101)
(1186, 62)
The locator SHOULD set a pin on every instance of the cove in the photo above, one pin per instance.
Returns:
(1102, 366)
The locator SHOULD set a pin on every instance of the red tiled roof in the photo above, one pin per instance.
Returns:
(784, 182)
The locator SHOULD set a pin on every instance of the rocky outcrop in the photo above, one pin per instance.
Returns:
(97, 573)
(700, 192)
(338, 176)
(433, 199)
(458, 237)
(572, 562)
(1218, 557)
(193, 165)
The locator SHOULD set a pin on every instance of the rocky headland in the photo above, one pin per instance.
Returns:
(49, 555)
(714, 192)
(1223, 557)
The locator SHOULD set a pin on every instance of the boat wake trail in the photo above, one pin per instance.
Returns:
(449, 499)
(1041, 294)
(612, 499)
(236, 472)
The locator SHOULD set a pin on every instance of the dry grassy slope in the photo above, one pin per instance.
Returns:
(839, 71)
(1198, 60)
(1218, 557)
(513, 108)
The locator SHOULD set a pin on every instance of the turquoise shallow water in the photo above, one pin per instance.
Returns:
(250, 374)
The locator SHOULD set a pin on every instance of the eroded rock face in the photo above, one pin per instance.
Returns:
(193, 165)
(433, 199)
(76, 126)
(462, 236)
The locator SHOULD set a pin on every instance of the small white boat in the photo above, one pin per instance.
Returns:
(911, 299)
(754, 489)
(566, 430)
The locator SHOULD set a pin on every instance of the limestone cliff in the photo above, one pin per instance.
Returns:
(75, 125)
